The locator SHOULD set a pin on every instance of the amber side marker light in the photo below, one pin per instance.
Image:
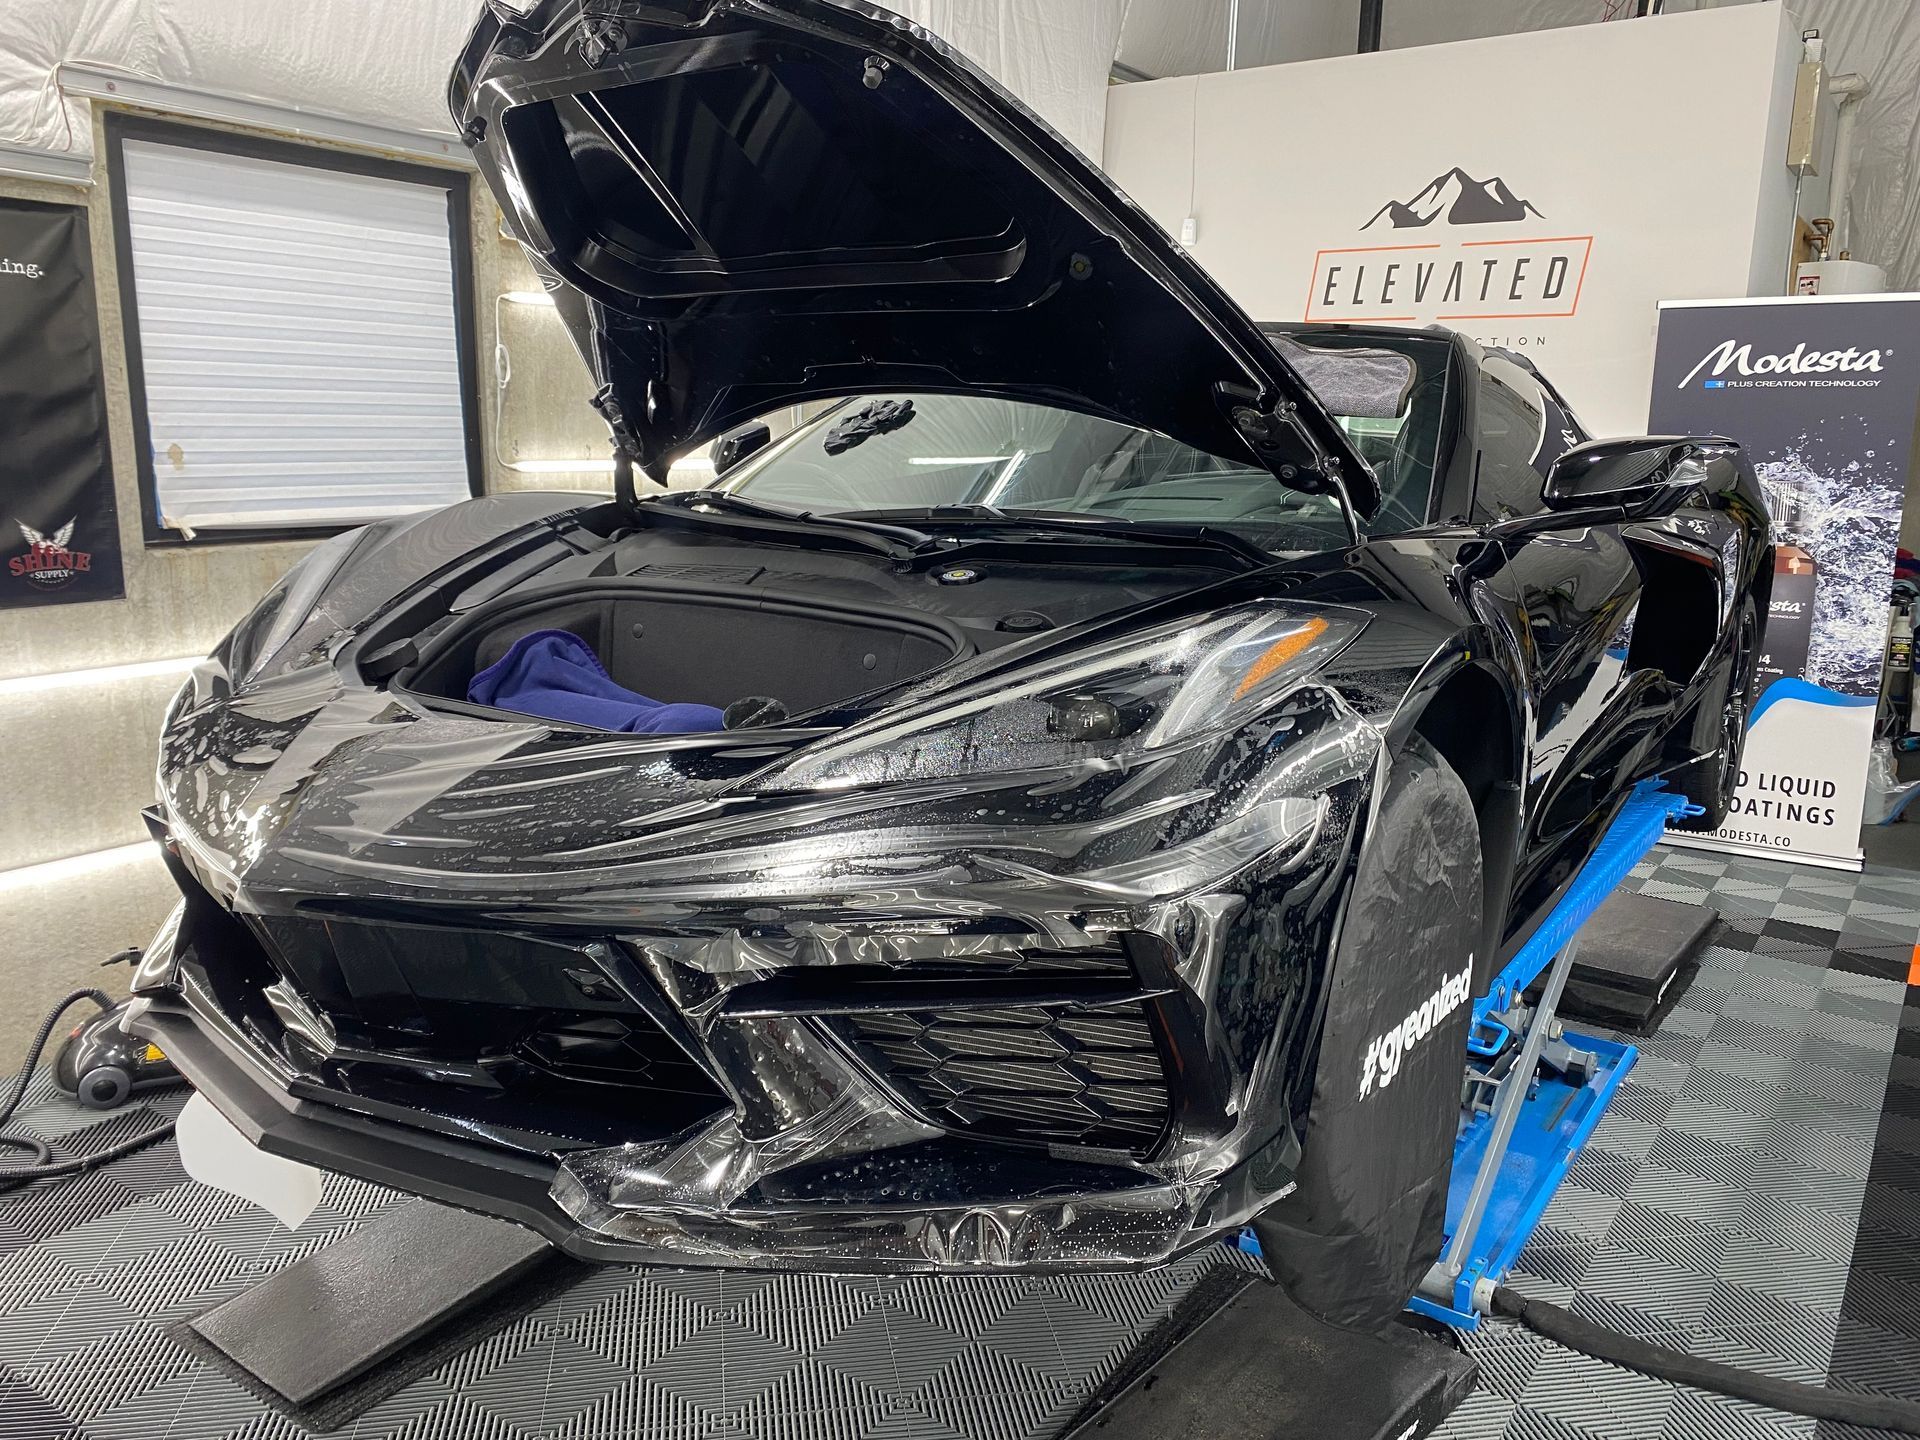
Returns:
(1279, 653)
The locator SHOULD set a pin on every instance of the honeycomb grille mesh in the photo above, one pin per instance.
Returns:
(1076, 1076)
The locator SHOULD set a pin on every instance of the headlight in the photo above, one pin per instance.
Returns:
(1120, 701)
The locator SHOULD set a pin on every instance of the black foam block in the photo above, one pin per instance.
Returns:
(1264, 1369)
(1636, 958)
(320, 1323)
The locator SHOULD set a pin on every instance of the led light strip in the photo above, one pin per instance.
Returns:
(52, 872)
(95, 675)
(61, 167)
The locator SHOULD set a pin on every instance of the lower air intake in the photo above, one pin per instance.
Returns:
(1076, 1076)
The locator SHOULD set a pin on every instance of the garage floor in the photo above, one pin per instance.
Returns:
(96, 1276)
(1753, 1195)
(1892, 847)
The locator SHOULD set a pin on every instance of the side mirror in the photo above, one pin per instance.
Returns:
(738, 443)
(1632, 474)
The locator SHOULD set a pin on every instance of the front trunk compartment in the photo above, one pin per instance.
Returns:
(708, 644)
(711, 616)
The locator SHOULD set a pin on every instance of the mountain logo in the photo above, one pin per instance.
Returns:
(1456, 198)
(1424, 260)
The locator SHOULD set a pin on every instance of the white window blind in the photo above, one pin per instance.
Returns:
(297, 340)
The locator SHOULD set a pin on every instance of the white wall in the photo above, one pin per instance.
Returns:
(1879, 39)
(1647, 149)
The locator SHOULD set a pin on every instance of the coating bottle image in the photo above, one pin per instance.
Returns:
(1789, 629)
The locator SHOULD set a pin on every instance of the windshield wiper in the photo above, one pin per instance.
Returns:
(992, 517)
(896, 540)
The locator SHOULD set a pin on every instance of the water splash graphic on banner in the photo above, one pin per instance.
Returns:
(1848, 518)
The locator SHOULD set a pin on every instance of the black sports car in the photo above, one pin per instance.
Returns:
(1113, 739)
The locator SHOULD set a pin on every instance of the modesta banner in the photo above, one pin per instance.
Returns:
(59, 527)
(1824, 394)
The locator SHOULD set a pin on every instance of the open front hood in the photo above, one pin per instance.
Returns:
(753, 202)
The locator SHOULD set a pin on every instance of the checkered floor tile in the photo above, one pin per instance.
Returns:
(95, 1272)
(1717, 1208)
(1753, 1195)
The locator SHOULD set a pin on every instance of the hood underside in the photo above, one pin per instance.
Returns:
(740, 204)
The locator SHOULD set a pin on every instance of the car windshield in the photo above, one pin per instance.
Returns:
(1401, 441)
(910, 453)
(913, 452)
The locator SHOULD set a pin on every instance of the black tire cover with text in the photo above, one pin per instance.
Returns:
(1367, 1218)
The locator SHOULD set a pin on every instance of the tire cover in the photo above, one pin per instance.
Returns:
(1367, 1218)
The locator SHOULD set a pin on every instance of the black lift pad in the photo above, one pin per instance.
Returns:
(1636, 958)
(1263, 1369)
(410, 1285)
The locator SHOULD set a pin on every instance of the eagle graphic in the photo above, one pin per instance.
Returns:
(57, 541)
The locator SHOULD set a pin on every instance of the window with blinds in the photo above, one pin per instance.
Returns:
(296, 329)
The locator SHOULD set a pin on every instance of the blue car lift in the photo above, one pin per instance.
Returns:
(1533, 1092)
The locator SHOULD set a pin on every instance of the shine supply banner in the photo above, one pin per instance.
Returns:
(59, 526)
(1823, 392)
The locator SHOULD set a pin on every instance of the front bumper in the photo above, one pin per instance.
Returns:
(843, 1124)
(1071, 1222)
(876, 1029)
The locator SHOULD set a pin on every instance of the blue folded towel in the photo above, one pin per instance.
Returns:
(555, 674)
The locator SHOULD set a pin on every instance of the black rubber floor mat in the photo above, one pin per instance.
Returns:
(1636, 959)
(1263, 1369)
(325, 1339)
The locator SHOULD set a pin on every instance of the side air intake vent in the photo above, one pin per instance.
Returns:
(1077, 1076)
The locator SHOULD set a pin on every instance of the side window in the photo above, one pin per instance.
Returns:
(1514, 448)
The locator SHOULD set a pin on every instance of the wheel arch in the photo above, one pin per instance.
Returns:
(1468, 712)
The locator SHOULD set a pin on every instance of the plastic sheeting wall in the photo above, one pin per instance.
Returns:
(387, 63)
(1189, 37)
(363, 59)
(1054, 55)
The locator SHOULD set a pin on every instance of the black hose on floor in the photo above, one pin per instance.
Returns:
(42, 1165)
(1563, 1327)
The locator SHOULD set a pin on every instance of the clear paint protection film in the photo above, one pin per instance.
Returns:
(1118, 872)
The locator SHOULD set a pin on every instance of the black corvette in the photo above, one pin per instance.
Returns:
(1145, 730)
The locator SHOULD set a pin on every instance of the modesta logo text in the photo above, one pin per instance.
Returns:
(1385, 1054)
(1732, 366)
